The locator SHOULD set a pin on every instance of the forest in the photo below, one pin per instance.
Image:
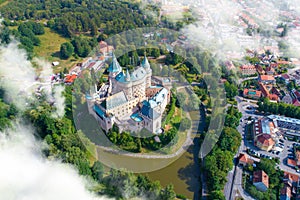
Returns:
(74, 17)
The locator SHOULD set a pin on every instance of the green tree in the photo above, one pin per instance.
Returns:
(66, 50)
(98, 171)
(185, 123)
(168, 193)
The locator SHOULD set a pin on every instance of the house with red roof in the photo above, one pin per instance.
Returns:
(247, 70)
(250, 93)
(69, 79)
(296, 102)
(264, 142)
(267, 94)
(261, 180)
(244, 159)
(266, 79)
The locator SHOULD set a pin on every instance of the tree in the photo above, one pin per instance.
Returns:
(66, 50)
(185, 123)
(217, 195)
(98, 171)
(5, 35)
(168, 193)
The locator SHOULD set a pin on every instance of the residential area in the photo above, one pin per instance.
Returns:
(269, 156)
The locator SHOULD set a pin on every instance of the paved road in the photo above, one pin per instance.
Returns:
(237, 186)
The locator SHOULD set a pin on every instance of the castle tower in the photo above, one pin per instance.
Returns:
(145, 64)
(128, 90)
(114, 69)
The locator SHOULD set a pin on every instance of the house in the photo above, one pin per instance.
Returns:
(55, 63)
(287, 99)
(264, 142)
(250, 93)
(104, 48)
(274, 90)
(285, 77)
(296, 102)
(285, 192)
(267, 94)
(261, 180)
(260, 70)
(291, 163)
(296, 94)
(244, 159)
(297, 154)
(270, 71)
(69, 79)
(266, 79)
(247, 70)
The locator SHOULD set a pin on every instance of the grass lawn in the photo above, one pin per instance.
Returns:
(4, 2)
(50, 47)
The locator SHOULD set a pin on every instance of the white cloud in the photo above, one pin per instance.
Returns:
(20, 79)
(26, 175)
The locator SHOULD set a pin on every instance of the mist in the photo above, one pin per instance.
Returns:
(26, 174)
(220, 26)
(20, 79)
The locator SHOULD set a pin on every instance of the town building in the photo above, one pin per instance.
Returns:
(251, 93)
(265, 89)
(247, 70)
(129, 100)
(264, 142)
(261, 180)
(244, 159)
(266, 79)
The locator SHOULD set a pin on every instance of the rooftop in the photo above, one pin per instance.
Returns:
(114, 100)
(266, 78)
(261, 176)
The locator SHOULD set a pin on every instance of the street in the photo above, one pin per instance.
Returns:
(247, 108)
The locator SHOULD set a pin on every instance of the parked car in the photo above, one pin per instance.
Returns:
(281, 140)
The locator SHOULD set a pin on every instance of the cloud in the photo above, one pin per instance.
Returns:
(20, 79)
(16, 74)
(53, 92)
(221, 28)
(59, 101)
(26, 175)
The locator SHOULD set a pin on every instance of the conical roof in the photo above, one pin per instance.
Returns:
(127, 75)
(145, 62)
(114, 66)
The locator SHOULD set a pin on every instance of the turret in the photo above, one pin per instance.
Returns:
(114, 68)
(145, 63)
(127, 75)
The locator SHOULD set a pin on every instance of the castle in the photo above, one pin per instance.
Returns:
(129, 100)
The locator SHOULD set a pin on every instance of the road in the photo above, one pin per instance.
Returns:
(235, 175)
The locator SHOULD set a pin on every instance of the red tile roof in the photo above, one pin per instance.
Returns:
(261, 176)
(296, 102)
(285, 76)
(70, 78)
(291, 162)
(243, 158)
(265, 139)
(292, 177)
(266, 78)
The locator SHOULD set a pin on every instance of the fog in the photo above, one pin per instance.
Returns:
(26, 175)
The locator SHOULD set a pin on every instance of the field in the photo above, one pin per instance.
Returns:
(49, 49)
(3, 2)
